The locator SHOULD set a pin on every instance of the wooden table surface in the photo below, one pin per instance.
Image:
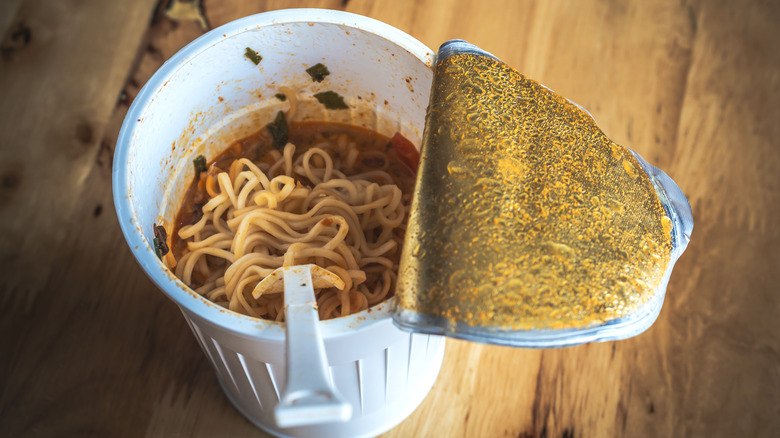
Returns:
(89, 346)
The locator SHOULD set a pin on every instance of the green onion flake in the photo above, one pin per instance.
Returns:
(279, 130)
(253, 56)
(200, 165)
(331, 100)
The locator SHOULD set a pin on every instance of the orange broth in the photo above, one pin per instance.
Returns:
(400, 155)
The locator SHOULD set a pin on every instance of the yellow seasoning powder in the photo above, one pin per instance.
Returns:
(526, 216)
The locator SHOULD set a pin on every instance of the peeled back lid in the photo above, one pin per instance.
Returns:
(529, 227)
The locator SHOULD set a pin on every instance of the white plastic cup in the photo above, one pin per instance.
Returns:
(210, 94)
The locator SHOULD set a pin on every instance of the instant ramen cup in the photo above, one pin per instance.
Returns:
(210, 94)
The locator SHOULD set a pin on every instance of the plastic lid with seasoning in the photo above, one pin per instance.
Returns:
(529, 227)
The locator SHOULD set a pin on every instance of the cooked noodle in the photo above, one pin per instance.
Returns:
(299, 207)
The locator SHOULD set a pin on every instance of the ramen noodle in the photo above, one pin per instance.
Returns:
(333, 195)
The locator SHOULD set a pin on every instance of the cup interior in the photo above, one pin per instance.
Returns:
(210, 94)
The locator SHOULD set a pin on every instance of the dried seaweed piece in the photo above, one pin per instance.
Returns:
(318, 72)
(200, 165)
(280, 131)
(331, 100)
(160, 241)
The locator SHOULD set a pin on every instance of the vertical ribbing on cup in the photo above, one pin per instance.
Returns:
(239, 372)
(202, 341)
(347, 381)
(358, 364)
(418, 357)
(226, 365)
(409, 358)
(249, 379)
(387, 372)
(273, 378)
(374, 381)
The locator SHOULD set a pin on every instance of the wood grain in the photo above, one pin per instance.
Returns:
(92, 348)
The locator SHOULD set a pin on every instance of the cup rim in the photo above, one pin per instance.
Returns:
(163, 278)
